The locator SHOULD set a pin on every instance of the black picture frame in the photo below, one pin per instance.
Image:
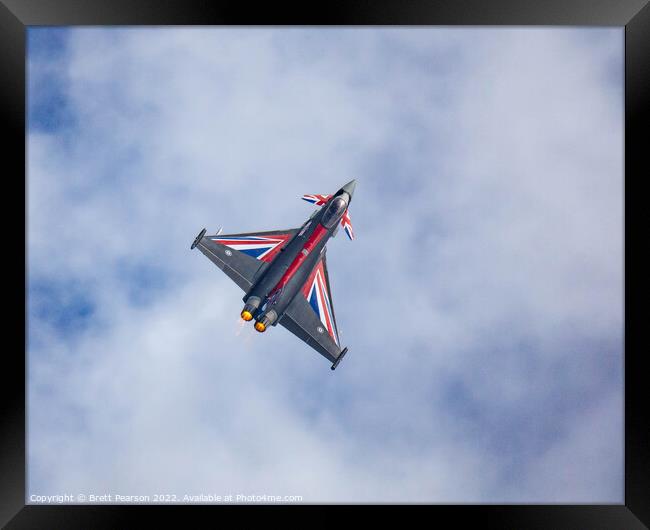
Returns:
(16, 15)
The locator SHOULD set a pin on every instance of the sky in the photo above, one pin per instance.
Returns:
(481, 301)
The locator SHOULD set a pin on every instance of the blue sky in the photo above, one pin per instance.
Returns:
(481, 301)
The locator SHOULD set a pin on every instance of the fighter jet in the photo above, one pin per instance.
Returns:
(284, 272)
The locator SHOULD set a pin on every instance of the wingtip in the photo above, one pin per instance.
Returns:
(339, 358)
(197, 239)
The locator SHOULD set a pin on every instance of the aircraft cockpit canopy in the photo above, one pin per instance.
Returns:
(334, 211)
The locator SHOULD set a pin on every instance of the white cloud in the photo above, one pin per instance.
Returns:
(481, 300)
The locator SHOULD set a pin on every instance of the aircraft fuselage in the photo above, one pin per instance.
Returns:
(282, 279)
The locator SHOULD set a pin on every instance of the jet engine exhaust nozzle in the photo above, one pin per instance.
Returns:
(265, 320)
(252, 304)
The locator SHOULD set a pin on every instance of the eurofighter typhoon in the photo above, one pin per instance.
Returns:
(284, 272)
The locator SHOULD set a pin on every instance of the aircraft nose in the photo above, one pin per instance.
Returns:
(349, 187)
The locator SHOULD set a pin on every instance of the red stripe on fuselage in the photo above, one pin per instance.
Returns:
(318, 234)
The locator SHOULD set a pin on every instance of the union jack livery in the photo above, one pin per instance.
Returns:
(346, 223)
(317, 293)
(284, 272)
(320, 200)
(262, 248)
